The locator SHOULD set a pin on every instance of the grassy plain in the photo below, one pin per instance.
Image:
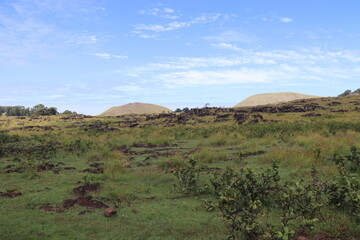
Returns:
(130, 161)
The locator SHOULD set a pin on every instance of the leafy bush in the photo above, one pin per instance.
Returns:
(188, 178)
(207, 155)
(78, 146)
(176, 161)
(242, 197)
(344, 193)
(115, 165)
(297, 201)
(349, 162)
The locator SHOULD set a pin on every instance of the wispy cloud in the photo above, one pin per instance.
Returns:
(25, 35)
(203, 19)
(109, 56)
(214, 77)
(232, 36)
(61, 8)
(273, 17)
(55, 96)
(85, 38)
(160, 11)
(282, 67)
(129, 89)
(286, 19)
(227, 46)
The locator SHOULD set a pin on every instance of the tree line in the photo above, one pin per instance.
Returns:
(37, 110)
(349, 92)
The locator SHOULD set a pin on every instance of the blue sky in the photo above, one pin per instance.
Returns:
(89, 55)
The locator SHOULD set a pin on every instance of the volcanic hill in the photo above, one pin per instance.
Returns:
(135, 108)
(272, 98)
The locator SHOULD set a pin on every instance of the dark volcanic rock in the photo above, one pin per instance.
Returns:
(312, 115)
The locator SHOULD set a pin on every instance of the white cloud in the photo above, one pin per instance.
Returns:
(109, 56)
(232, 36)
(163, 12)
(214, 77)
(265, 17)
(282, 67)
(129, 89)
(63, 8)
(24, 34)
(55, 96)
(227, 46)
(286, 19)
(203, 19)
(133, 75)
(85, 38)
(168, 10)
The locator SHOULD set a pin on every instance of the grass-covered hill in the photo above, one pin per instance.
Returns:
(135, 108)
(272, 98)
(284, 171)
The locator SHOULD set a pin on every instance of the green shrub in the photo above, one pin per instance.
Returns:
(207, 155)
(115, 165)
(242, 197)
(188, 178)
(176, 161)
(78, 146)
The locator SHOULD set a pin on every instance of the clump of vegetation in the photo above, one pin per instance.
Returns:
(188, 178)
(242, 197)
(174, 162)
(349, 92)
(115, 165)
(207, 155)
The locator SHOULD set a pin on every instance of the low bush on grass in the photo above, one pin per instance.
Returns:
(174, 162)
(207, 155)
(115, 165)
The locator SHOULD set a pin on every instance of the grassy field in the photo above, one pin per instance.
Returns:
(59, 173)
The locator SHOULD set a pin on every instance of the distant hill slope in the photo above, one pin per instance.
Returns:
(135, 108)
(272, 98)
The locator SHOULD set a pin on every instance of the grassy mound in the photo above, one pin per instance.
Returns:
(135, 108)
(272, 98)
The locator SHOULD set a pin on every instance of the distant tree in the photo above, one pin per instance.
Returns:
(2, 109)
(347, 92)
(357, 90)
(178, 110)
(38, 109)
(52, 111)
(67, 112)
(207, 105)
(186, 109)
(17, 111)
(41, 110)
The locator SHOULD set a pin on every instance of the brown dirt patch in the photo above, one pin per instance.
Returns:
(84, 202)
(10, 194)
(82, 190)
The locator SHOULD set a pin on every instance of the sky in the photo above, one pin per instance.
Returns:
(89, 55)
